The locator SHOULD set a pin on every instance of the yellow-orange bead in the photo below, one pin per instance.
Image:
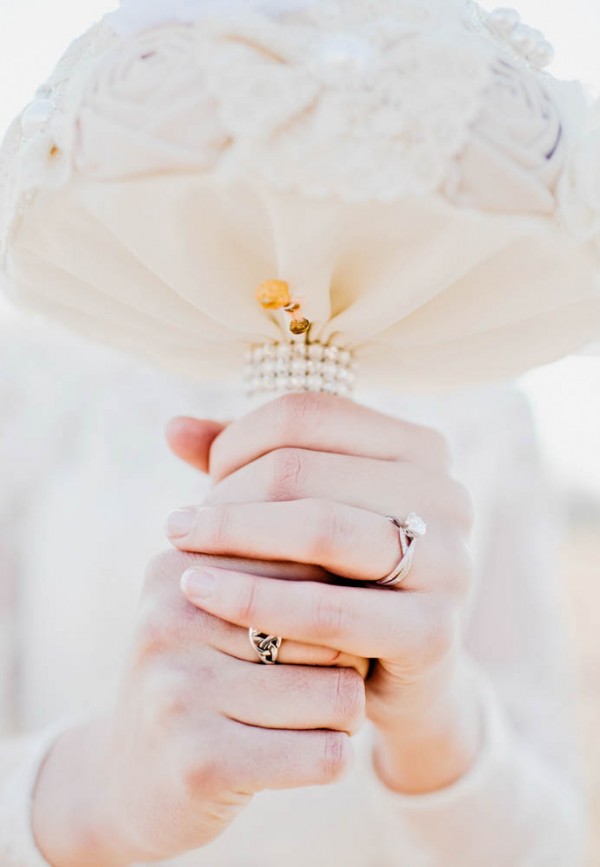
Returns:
(273, 294)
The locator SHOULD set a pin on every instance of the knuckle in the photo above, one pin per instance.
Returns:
(218, 519)
(436, 446)
(204, 767)
(331, 528)
(286, 474)
(205, 776)
(293, 410)
(158, 631)
(440, 635)
(336, 753)
(349, 699)
(328, 617)
(461, 504)
(458, 565)
(174, 703)
(247, 603)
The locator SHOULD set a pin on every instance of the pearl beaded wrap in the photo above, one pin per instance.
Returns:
(285, 367)
(429, 192)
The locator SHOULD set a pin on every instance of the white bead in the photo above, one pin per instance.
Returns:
(268, 350)
(267, 366)
(345, 357)
(504, 20)
(543, 54)
(523, 39)
(332, 353)
(315, 351)
(299, 350)
(284, 350)
(344, 52)
(282, 383)
(329, 369)
(297, 383)
(315, 382)
(36, 116)
(298, 366)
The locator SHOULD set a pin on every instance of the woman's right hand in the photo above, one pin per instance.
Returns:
(200, 726)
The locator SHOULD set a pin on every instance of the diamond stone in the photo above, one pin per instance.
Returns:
(415, 526)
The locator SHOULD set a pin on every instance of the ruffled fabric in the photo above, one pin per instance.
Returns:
(422, 186)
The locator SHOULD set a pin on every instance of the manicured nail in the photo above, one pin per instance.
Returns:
(180, 523)
(198, 584)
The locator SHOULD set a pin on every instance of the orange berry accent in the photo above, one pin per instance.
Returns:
(273, 294)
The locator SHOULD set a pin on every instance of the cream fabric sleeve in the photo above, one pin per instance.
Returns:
(32, 427)
(522, 802)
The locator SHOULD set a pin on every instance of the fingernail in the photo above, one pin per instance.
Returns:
(196, 584)
(180, 523)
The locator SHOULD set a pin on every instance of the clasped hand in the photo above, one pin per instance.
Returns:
(290, 540)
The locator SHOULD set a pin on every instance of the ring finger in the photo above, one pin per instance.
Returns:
(234, 641)
(349, 542)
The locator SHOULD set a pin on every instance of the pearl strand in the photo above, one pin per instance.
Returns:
(527, 41)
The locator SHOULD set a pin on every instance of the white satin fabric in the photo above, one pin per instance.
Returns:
(86, 484)
(423, 189)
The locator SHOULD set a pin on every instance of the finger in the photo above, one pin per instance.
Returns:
(169, 622)
(368, 622)
(292, 697)
(352, 543)
(234, 641)
(261, 758)
(387, 487)
(190, 439)
(323, 423)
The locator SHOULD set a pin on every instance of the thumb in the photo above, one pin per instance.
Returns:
(191, 438)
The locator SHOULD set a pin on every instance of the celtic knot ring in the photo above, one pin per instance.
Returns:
(267, 646)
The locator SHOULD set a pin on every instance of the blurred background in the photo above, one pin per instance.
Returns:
(565, 396)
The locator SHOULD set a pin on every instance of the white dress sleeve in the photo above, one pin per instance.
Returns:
(521, 804)
(21, 759)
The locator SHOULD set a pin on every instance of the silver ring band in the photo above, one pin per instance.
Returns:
(267, 646)
(408, 530)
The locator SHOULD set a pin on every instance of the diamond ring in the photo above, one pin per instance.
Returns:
(408, 530)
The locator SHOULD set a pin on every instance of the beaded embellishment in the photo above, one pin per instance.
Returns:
(299, 366)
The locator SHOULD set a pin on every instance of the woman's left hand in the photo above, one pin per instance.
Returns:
(311, 478)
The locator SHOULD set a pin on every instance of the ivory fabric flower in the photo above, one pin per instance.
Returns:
(517, 135)
(579, 189)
